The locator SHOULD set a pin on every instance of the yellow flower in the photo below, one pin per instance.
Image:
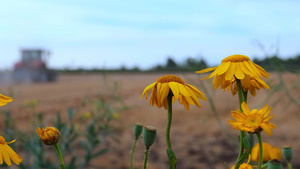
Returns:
(235, 66)
(255, 84)
(115, 115)
(185, 93)
(4, 100)
(269, 153)
(7, 153)
(245, 165)
(252, 121)
(49, 136)
(86, 116)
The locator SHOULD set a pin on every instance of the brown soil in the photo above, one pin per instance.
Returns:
(197, 139)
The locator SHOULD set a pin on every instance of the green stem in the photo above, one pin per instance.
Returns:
(170, 153)
(62, 164)
(245, 94)
(260, 150)
(132, 152)
(169, 122)
(240, 92)
(146, 157)
(289, 165)
(242, 133)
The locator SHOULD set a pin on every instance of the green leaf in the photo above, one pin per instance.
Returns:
(70, 114)
(99, 153)
(72, 163)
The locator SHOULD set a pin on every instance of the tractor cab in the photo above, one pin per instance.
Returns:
(32, 66)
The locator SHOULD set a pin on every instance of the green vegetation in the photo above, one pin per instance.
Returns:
(191, 64)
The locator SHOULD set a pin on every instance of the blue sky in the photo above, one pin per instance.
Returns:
(109, 34)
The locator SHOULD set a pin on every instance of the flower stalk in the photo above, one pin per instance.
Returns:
(132, 152)
(170, 153)
(242, 133)
(260, 150)
(137, 130)
(146, 157)
(169, 122)
(62, 164)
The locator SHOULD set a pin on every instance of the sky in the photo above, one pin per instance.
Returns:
(110, 33)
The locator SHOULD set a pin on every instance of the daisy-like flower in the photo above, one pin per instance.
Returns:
(269, 153)
(49, 136)
(4, 100)
(245, 165)
(253, 121)
(235, 66)
(255, 84)
(7, 153)
(185, 93)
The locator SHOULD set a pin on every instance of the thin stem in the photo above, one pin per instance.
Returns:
(62, 164)
(132, 152)
(240, 92)
(260, 150)
(245, 94)
(242, 133)
(169, 122)
(289, 165)
(146, 157)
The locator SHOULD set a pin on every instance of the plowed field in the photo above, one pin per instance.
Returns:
(197, 138)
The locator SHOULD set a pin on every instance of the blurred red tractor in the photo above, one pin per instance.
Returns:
(33, 68)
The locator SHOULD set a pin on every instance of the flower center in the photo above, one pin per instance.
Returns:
(2, 140)
(236, 58)
(169, 78)
(253, 121)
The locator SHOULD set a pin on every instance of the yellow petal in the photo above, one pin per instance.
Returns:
(1, 149)
(217, 81)
(266, 129)
(245, 69)
(262, 83)
(197, 92)
(180, 99)
(214, 73)
(251, 69)
(256, 70)
(267, 112)
(246, 82)
(164, 92)
(230, 72)
(147, 89)
(224, 68)
(174, 88)
(268, 118)
(182, 90)
(262, 71)
(185, 103)
(194, 97)
(6, 155)
(245, 108)
(206, 70)
(14, 156)
(238, 72)
(158, 94)
(237, 115)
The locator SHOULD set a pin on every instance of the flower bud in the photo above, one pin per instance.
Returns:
(137, 130)
(287, 153)
(274, 164)
(49, 136)
(149, 135)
